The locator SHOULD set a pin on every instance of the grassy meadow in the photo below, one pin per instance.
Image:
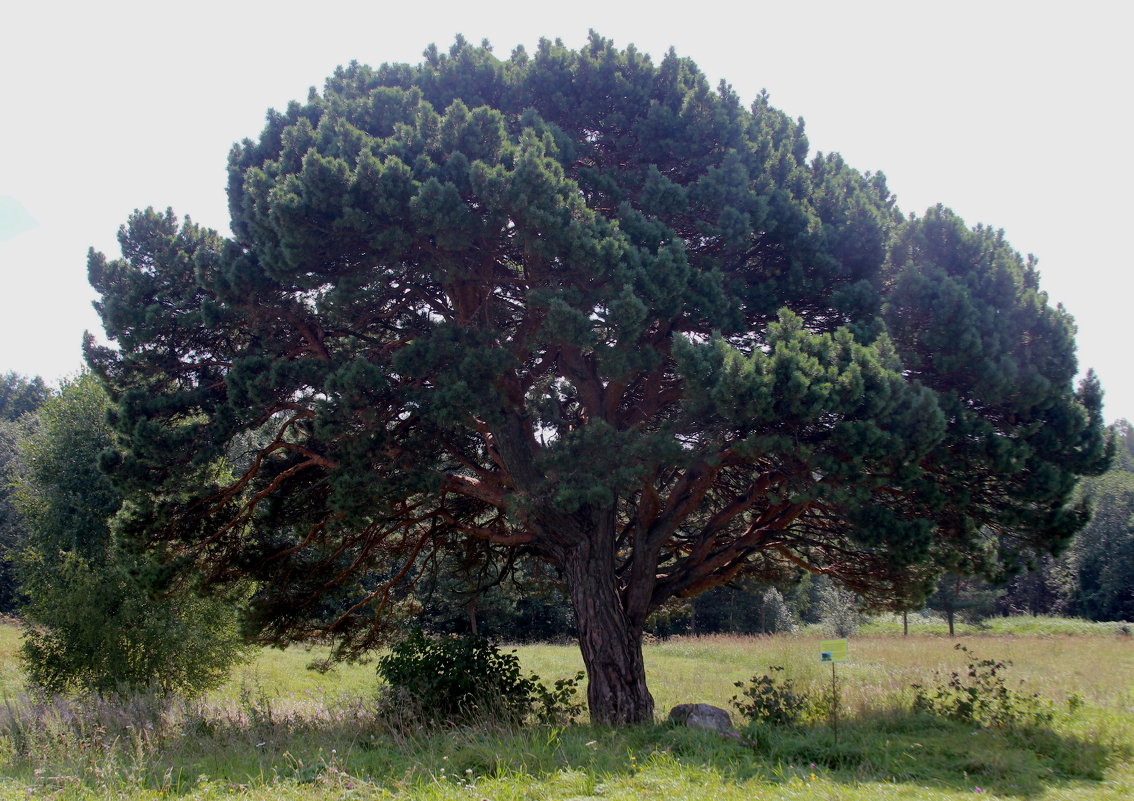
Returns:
(277, 730)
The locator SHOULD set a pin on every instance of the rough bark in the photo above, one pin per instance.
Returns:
(610, 642)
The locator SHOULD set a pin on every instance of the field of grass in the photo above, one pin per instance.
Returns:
(279, 730)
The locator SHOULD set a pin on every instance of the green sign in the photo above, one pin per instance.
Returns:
(832, 650)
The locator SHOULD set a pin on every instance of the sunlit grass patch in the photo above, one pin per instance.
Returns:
(278, 730)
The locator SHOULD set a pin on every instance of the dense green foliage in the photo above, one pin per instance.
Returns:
(579, 304)
(769, 698)
(1101, 560)
(456, 679)
(20, 397)
(1094, 578)
(92, 620)
(979, 693)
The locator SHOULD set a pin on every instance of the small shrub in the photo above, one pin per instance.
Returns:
(464, 678)
(771, 699)
(557, 704)
(981, 695)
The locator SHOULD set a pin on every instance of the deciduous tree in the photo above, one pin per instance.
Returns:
(92, 620)
(20, 397)
(1102, 557)
(583, 305)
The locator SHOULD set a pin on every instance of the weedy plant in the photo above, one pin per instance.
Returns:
(459, 679)
(772, 699)
(980, 694)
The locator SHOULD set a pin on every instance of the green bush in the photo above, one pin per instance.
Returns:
(97, 629)
(980, 695)
(93, 619)
(464, 678)
(769, 698)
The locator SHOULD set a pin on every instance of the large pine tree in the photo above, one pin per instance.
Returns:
(583, 305)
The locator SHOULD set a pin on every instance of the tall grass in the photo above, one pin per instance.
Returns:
(278, 730)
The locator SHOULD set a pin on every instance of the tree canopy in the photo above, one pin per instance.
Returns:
(20, 395)
(582, 306)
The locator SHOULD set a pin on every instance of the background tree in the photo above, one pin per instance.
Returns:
(582, 305)
(837, 608)
(1101, 560)
(743, 607)
(1048, 588)
(92, 621)
(20, 397)
(517, 602)
(965, 596)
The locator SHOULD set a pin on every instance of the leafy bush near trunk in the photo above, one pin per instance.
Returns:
(465, 678)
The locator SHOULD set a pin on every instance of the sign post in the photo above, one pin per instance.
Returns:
(833, 651)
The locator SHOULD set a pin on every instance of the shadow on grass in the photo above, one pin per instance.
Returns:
(921, 750)
(893, 747)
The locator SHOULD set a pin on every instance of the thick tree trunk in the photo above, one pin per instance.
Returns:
(610, 642)
(582, 545)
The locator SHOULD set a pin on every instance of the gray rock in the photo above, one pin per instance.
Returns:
(702, 716)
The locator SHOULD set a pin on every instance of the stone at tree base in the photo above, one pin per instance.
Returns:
(702, 716)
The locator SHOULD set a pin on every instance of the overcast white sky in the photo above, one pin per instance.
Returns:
(1014, 114)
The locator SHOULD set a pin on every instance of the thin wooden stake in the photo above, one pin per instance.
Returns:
(834, 704)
